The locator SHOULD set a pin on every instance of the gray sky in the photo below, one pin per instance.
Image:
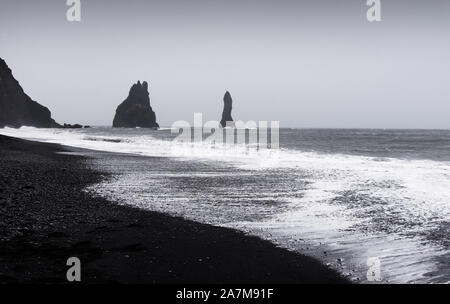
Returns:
(316, 63)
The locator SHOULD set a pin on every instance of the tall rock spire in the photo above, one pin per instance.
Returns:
(226, 114)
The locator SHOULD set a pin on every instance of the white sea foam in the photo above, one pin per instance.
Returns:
(419, 188)
(147, 145)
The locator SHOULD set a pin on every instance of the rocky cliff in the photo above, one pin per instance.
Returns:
(17, 109)
(136, 111)
(226, 114)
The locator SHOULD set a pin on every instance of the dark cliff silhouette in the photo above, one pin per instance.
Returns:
(17, 109)
(136, 111)
(226, 114)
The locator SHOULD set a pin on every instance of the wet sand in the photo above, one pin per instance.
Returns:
(46, 217)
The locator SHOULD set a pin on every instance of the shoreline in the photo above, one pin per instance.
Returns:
(46, 217)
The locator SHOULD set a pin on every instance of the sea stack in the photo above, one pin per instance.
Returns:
(136, 111)
(17, 109)
(226, 114)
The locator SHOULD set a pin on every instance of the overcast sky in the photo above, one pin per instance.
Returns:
(316, 63)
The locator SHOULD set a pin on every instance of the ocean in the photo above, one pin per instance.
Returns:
(373, 204)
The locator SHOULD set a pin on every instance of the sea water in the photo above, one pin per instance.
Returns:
(344, 196)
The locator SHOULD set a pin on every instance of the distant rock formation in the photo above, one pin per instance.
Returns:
(75, 126)
(17, 109)
(136, 111)
(226, 114)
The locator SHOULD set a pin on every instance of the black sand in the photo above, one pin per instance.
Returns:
(45, 218)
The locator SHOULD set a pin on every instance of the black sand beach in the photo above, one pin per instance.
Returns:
(46, 217)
